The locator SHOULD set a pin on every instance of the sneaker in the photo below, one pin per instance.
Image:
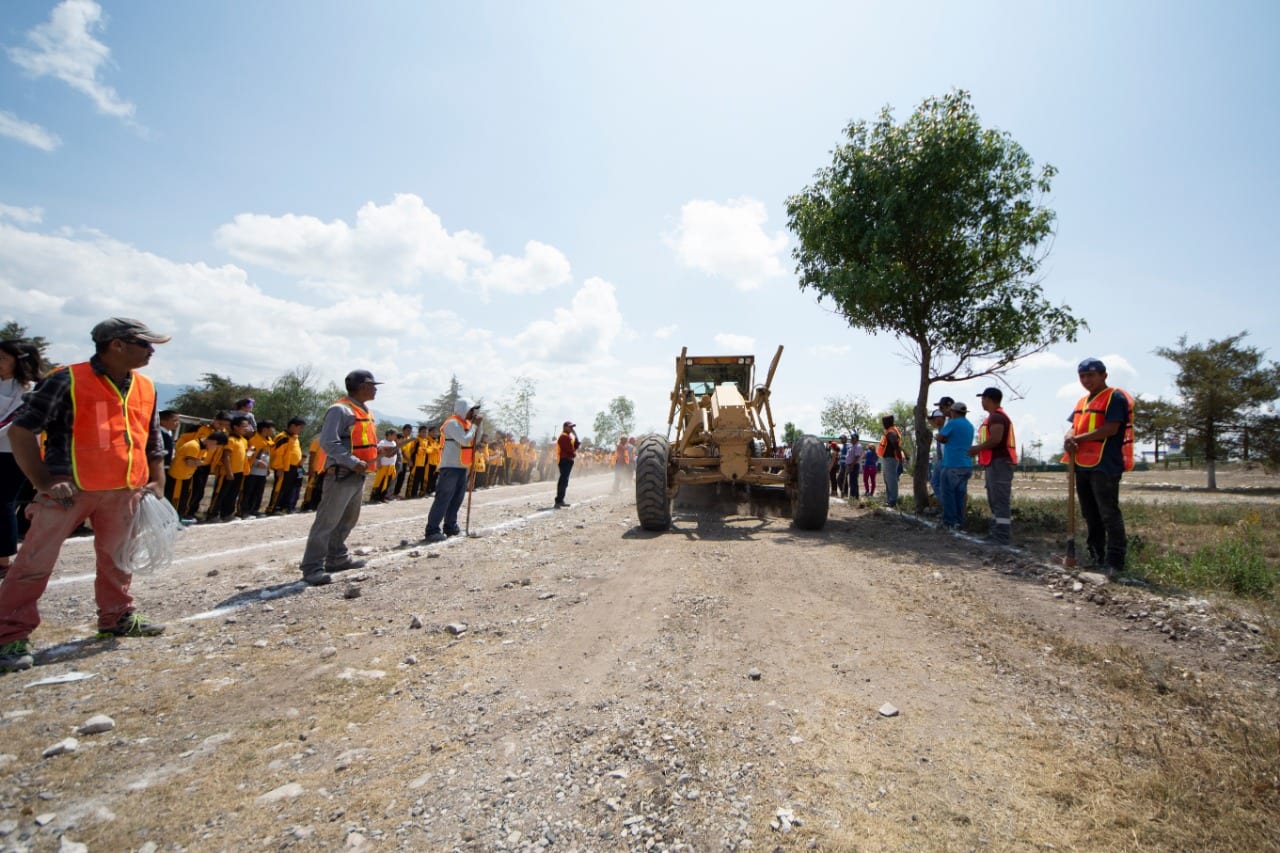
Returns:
(562, 505)
(347, 566)
(451, 532)
(132, 625)
(318, 579)
(435, 537)
(16, 656)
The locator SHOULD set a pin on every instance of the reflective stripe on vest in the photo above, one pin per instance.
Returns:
(466, 452)
(109, 430)
(1091, 414)
(1010, 442)
(364, 435)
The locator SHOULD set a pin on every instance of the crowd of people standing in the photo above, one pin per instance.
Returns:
(89, 443)
(1098, 449)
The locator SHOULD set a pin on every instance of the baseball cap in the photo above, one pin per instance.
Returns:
(960, 407)
(358, 377)
(124, 327)
(570, 425)
(993, 392)
(1091, 364)
(937, 413)
(944, 402)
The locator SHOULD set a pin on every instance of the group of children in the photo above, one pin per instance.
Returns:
(237, 454)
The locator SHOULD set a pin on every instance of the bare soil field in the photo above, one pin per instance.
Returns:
(565, 680)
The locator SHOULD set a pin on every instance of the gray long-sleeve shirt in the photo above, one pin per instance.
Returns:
(335, 435)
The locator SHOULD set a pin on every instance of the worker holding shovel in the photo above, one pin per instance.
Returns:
(1101, 445)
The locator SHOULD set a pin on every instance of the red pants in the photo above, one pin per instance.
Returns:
(112, 515)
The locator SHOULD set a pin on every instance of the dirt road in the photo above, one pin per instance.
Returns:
(579, 684)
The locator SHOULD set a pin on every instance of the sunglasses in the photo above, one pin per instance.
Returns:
(137, 342)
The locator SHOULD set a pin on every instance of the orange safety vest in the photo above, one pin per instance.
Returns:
(466, 452)
(1088, 416)
(984, 456)
(364, 435)
(109, 430)
(883, 449)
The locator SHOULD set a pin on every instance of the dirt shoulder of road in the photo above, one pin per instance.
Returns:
(568, 680)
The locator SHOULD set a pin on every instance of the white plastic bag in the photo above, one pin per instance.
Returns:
(149, 545)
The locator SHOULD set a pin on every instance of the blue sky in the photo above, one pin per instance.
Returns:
(573, 191)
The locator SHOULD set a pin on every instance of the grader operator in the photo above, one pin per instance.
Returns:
(724, 433)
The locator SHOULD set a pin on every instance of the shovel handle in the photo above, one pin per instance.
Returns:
(1071, 504)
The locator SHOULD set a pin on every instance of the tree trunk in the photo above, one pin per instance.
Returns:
(1211, 454)
(920, 465)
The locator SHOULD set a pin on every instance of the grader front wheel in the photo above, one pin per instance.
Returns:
(652, 504)
(810, 500)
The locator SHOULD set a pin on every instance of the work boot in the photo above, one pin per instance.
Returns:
(16, 656)
(435, 537)
(318, 579)
(132, 625)
(347, 565)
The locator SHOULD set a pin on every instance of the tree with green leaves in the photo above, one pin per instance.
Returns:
(848, 414)
(1264, 439)
(214, 394)
(439, 409)
(618, 420)
(1222, 384)
(933, 231)
(296, 393)
(516, 412)
(1154, 421)
(791, 433)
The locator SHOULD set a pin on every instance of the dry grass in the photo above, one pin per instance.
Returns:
(1188, 760)
(1135, 753)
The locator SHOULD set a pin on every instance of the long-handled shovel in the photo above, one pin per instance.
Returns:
(1069, 561)
(471, 487)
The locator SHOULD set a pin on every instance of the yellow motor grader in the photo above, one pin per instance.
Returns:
(724, 434)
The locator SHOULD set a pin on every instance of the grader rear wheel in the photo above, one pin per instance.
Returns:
(810, 499)
(653, 506)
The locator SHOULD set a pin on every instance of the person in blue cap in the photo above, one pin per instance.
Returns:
(1101, 442)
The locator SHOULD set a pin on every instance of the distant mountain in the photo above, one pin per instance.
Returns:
(166, 392)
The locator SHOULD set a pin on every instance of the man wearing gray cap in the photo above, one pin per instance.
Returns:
(103, 450)
(349, 440)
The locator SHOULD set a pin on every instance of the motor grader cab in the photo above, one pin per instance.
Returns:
(724, 433)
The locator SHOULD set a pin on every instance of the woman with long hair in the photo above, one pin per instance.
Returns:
(19, 369)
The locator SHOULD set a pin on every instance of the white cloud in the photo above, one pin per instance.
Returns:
(665, 331)
(1045, 361)
(729, 241)
(22, 215)
(1118, 364)
(403, 244)
(582, 333)
(64, 47)
(541, 268)
(60, 284)
(27, 132)
(735, 344)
